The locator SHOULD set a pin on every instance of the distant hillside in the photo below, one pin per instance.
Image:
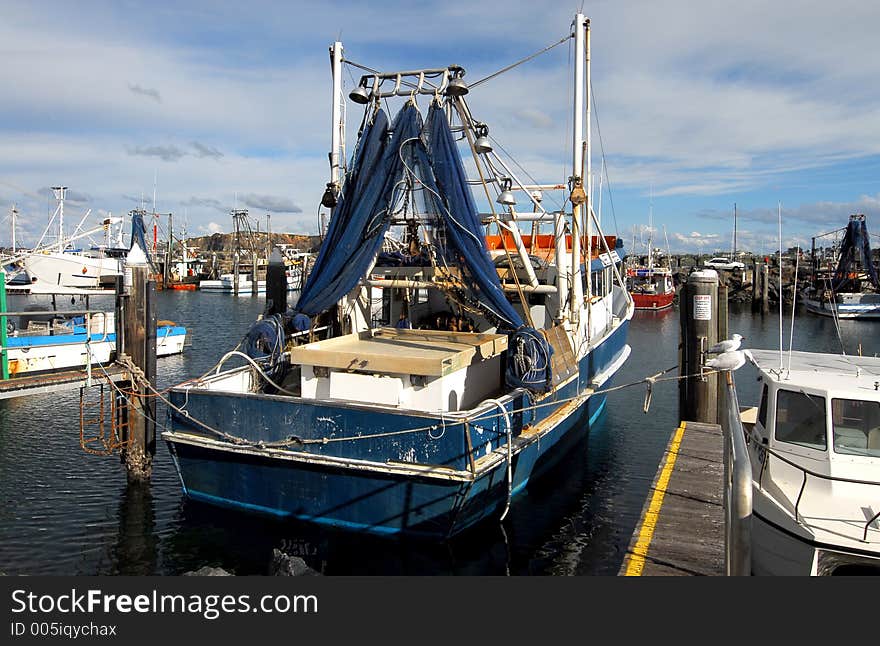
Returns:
(225, 242)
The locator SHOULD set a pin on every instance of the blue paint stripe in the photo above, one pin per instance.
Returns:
(518, 488)
(70, 339)
(322, 520)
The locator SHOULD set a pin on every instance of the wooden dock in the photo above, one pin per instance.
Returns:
(58, 381)
(681, 532)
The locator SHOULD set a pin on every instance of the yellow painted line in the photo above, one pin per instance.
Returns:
(637, 559)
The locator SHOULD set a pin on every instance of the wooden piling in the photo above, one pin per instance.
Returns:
(235, 273)
(699, 330)
(276, 285)
(139, 345)
(765, 288)
(4, 357)
(254, 286)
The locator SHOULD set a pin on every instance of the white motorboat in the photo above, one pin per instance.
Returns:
(814, 446)
(226, 283)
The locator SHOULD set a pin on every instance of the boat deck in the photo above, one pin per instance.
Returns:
(392, 350)
(681, 532)
(58, 381)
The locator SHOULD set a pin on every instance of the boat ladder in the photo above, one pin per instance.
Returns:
(103, 419)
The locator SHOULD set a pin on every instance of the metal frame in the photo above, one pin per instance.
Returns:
(737, 486)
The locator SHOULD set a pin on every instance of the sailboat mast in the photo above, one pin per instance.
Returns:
(14, 213)
(651, 229)
(733, 257)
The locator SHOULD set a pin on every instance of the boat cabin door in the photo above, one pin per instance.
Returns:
(792, 422)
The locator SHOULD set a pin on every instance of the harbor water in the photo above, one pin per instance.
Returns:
(65, 512)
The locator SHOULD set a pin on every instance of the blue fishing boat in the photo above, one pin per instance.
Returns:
(429, 371)
(851, 290)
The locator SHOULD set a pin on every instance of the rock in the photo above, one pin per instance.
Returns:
(285, 565)
(207, 570)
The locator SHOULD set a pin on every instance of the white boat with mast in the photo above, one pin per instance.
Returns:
(60, 264)
(432, 418)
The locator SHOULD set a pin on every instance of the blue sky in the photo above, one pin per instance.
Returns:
(700, 105)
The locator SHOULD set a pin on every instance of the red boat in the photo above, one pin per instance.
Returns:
(651, 287)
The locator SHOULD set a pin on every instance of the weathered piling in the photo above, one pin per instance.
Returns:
(235, 273)
(276, 285)
(765, 288)
(139, 346)
(4, 360)
(699, 330)
(254, 285)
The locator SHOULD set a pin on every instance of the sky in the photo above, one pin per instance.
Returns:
(772, 107)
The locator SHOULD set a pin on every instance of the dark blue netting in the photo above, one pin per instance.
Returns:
(426, 160)
(138, 228)
(856, 246)
(528, 356)
(265, 341)
(361, 218)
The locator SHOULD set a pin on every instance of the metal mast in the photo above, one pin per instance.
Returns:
(60, 192)
(338, 124)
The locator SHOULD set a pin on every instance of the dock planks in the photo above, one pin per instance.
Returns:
(58, 381)
(681, 532)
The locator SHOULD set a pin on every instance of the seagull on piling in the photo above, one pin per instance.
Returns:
(727, 361)
(729, 345)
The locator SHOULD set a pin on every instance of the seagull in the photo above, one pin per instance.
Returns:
(729, 345)
(727, 361)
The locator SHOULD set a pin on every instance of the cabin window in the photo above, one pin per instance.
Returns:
(855, 426)
(762, 410)
(800, 419)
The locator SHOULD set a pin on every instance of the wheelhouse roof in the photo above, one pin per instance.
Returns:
(821, 371)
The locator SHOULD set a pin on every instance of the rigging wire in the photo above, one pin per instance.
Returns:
(520, 62)
(604, 161)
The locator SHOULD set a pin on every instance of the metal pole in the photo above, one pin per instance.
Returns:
(169, 252)
(722, 334)
(337, 133)
(737, 487)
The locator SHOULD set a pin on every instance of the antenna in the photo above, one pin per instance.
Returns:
(793, 304)
(779, 218)
(651, 229)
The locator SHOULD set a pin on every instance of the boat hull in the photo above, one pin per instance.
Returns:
(434, 483)
(653, 301)
(71, 270)
(30, 355)
(781, 548)
(845, 310)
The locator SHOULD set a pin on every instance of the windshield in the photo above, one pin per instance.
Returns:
(856, 427)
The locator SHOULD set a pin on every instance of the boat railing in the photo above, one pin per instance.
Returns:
(86, 314)
(823, 476)
(737, 486)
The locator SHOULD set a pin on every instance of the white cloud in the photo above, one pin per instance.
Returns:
(703, 102)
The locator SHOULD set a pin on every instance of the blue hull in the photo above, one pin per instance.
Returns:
(436, 481)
